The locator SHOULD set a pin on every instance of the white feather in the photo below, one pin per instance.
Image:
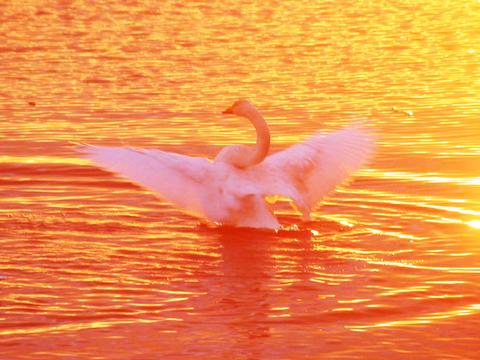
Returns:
(224, 192)
(309, 171)
(177, 178)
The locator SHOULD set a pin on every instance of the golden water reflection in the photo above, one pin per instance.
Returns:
(92, 266)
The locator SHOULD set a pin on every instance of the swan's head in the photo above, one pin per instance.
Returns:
(241, 108)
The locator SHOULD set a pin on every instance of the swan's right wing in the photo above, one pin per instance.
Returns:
(176, 178)
(308, 171)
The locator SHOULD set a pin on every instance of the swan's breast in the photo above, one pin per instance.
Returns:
(237, 155)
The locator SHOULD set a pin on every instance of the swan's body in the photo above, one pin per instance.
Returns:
(231, 190)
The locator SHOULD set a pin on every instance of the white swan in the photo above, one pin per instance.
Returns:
(232, 189)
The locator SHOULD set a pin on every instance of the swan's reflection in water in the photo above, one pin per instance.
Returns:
(246, 271)
(271, 281)
(245, 298)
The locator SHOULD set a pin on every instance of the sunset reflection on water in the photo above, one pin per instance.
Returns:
(92, 266)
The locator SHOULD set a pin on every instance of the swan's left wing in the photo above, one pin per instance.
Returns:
(176, 178)
(308, 171)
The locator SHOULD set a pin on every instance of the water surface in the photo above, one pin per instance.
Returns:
(93, 267)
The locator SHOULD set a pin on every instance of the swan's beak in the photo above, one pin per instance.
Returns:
(227, 111)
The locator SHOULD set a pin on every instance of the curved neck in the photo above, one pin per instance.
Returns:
(263, 138)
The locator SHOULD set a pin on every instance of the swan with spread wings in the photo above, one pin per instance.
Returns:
(232, 188)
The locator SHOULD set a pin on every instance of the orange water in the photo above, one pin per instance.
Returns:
(92, 267)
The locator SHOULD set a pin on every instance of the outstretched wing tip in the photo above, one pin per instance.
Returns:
(87, 151)
(179, 179)
(309, 171)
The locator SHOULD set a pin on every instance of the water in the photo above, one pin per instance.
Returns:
(92, 267)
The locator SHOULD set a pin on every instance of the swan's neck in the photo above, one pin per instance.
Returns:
(263, 138)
